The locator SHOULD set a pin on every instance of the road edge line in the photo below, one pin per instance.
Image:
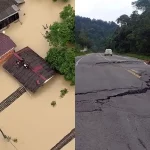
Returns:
(79, 61)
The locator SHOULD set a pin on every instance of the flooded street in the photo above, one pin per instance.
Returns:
(31, 118)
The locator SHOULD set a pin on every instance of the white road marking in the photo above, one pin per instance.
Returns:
(79, 60)
(104, 57)
(114, 59)
(145, 63)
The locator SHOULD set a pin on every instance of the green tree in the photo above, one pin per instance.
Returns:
(62, 33)
(134, 34)
(93, 33)
(123, 20)
(61, 38)
(62, 59)
(142, 4)
(84, 40)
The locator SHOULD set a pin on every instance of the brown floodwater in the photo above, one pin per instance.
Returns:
(31, 118)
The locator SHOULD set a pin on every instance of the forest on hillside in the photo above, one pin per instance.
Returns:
(131, 35)
(92, 33)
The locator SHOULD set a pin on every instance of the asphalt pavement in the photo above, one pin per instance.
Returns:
(112, 103)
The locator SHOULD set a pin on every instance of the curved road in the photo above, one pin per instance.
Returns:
(112, 103)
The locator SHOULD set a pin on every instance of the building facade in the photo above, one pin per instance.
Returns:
(7, 48)
(31, 70)
(6, 56)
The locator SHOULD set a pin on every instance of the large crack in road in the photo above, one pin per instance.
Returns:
(121, 110)
(106, 90)
(118, 62)
(103, 101)
(113, 62)
(128, 91)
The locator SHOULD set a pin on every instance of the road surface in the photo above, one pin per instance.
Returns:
(112, 103)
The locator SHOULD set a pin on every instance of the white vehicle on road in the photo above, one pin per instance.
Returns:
(108, 52)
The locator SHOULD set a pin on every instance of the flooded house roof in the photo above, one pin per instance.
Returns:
(31, 70)
(6, 44)
(7, 8)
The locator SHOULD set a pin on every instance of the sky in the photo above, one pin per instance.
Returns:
(107, 10)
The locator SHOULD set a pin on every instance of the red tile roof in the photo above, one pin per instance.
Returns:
(6, 44)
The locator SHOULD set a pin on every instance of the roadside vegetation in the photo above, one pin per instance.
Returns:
(130, 37)
(61, 55)
(133, 36)
(92, 33)
(78, 53)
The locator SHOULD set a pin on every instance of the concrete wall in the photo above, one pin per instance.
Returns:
(6, 56)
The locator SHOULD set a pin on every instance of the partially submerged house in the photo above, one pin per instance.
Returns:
(9, 12)
(7, 47)
(31, 70)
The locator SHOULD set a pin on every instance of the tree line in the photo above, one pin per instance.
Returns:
(92, 33)
(133, 35)
(60, 36)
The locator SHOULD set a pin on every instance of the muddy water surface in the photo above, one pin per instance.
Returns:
(31, 118)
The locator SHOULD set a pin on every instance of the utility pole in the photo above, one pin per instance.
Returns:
(3, 134)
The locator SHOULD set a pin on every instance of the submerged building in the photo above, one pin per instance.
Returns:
(31, 70)
(9, 12)
(7, 48)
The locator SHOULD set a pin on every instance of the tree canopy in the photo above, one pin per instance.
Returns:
(62, 33)
(92, 33)
(143, 5)
(133, 36)
(60, 36)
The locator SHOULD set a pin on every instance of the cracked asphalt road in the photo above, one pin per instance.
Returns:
(112, 103)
